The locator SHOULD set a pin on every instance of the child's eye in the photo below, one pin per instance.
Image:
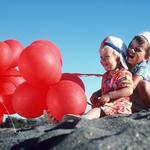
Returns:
(105, 58)
(137, 50)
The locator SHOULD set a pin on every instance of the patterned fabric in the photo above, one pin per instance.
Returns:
(116, 80)
(142, 69)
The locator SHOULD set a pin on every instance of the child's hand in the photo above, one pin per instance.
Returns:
(104, 99)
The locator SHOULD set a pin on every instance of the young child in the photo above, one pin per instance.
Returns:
(138, 54)
(117, 83)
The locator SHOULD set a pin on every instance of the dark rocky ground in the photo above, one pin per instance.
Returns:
(108, 133)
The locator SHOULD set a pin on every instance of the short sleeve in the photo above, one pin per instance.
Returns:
(142, 71)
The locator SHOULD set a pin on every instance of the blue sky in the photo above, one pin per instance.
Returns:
(76, 26)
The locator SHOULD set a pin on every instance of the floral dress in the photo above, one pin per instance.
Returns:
(116, 80)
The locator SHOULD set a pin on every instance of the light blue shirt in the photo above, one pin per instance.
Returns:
(142, 69)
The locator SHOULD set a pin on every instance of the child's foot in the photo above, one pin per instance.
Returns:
(71, 117)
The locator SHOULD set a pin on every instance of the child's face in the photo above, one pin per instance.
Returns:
(108, 59)
(136, 53)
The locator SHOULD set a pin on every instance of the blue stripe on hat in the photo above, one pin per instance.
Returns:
(113, 46)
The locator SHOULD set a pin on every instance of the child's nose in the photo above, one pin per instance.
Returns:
(131, 50)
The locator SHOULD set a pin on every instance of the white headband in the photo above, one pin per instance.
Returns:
(146, 35)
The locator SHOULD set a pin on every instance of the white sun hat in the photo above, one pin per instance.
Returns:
(146, 35)
(119, 46)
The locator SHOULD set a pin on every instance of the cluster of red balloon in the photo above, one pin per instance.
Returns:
(10, 77)
(39, 83)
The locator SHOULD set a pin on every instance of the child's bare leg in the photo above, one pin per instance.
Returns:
(144, 91)
(93, 114)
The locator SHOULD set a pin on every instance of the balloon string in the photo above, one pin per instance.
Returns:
(9, 117)
(77, 74)
(89, 103)
(86, 74)
(15, 130)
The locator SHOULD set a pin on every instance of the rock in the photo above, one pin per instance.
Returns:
(118, 132)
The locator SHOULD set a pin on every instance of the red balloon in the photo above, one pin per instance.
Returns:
(16, 48)
(28, 101)
(9, 80)
(5, 57)
(39, 65)
(66, 97)
(52, 46)
(11, 72)
(6, 104)
(74, 78)
(1, 118)
(1, 115)
(6, 87)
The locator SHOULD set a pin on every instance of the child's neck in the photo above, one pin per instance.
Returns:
(113, 71)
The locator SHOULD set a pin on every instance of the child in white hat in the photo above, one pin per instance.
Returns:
(138, 55)
(117, 83)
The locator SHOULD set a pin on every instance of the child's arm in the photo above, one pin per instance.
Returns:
(140, 73)
(124, 85)
(136, 80)
(126, 91)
